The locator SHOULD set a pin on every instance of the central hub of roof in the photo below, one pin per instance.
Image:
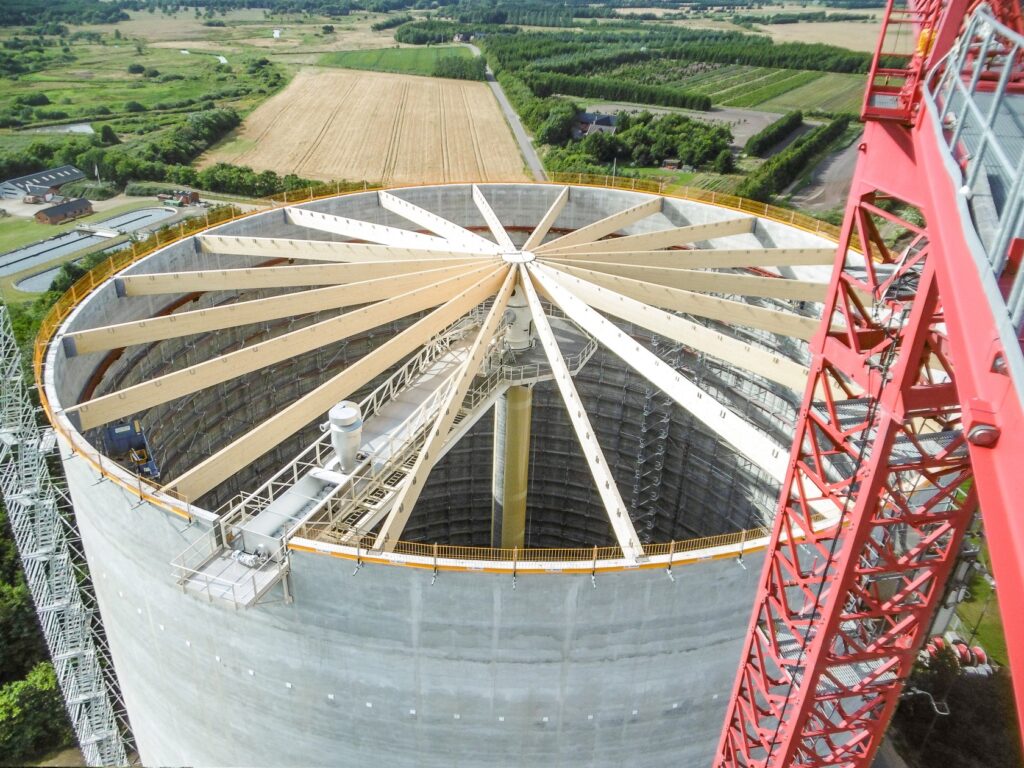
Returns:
(517, 257)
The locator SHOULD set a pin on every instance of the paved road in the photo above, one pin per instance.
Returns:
(525, 145)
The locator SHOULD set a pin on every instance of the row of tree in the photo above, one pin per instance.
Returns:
(768, 137)
(780, 171)
(547, 83)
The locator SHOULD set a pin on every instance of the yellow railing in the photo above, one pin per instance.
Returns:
(123, 259)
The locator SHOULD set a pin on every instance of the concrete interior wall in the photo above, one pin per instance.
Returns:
(677, 478)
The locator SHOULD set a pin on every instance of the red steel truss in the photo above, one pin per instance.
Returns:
(908, 421)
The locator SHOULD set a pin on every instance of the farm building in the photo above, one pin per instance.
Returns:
(40, 184)
(66, 211)
(587, 123)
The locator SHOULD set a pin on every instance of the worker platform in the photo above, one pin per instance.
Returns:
(316, 496)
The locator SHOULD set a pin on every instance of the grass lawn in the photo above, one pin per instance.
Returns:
(403, 61)
(16, 232)
(982, 611)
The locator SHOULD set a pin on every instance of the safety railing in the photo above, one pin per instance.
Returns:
(121, 260)
(977, 96)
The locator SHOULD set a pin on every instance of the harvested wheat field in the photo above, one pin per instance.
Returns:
(341, 124)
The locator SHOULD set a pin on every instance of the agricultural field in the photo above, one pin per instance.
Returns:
(832, 92)
(745, 87)
(402, 61)
(855, 35)
(336, 124)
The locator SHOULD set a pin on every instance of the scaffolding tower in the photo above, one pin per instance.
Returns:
(44, 532)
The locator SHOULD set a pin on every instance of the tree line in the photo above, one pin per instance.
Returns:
(780, 171)
(547, 83)
(768, 137)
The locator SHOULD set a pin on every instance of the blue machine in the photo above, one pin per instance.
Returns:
(127, 443)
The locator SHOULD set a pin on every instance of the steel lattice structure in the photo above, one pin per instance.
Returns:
(44, 540)
(913, 395)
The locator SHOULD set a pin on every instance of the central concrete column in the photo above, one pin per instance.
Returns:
(512, 414)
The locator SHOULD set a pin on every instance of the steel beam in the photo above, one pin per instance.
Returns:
(663, 238)
(544, 225)
(449, 230)
(171, 386)
(255, 311)
(618, 514)
(605, 226)
(745, 439)
(228, 460)
(723, 310)
(324, 250)
(273, 277)
(401, 509)
(720, 346)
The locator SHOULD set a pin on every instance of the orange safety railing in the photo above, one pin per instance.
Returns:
(123, 259)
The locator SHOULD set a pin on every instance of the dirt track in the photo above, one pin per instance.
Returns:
(342, 124)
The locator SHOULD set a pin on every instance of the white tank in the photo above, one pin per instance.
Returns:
(520, 332)
(346, 433)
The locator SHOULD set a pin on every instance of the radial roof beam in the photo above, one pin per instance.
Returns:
(750, 357)
(663, 238)
(402, 508)
(255, 311)
(254, 278)
(745, 439)
(493, 222)
(711, 307)
(605, 226)
(320, 250)
(241, 452)
(171, 386)
(449, 230)
(618, 515)
(717, 282)
(544, 226)
(709, 258)
(375, 233)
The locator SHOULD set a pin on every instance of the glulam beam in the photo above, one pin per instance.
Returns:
(244, 450)
(374, 233)
(662, 238)
(322, 250)
(254, 278)
(162, 389)
(405, 502)
(749, 357)
(544, 225)
(718, 282)
(449, 230)
(711, 307)
(605, 226)
(604, 480)
(708, 258)
(493, 222)
(262, 310)
(745, 439)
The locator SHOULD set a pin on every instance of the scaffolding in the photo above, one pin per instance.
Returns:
(47, 541)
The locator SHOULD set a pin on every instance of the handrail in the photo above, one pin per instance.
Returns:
(119, 261)
(984, 139)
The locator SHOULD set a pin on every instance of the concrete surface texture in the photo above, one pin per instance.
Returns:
(387, 664)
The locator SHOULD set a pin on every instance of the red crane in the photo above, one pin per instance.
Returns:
(912, 417)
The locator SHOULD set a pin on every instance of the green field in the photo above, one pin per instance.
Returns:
(402, 61)
(830, 93)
